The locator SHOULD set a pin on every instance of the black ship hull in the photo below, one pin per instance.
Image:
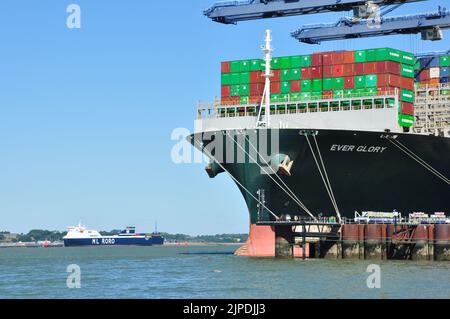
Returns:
(367, 171)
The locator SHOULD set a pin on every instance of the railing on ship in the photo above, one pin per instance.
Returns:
(356, 102)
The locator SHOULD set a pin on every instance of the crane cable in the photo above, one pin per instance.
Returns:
(324, 175)
(208, 153)
(415, 157)
(256, 162)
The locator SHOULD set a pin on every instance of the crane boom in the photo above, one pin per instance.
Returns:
(347, 28)
(232, 12)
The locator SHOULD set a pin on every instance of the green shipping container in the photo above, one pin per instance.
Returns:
(306, 96)
(235, 66)
(245, 78)
(285, 75)
(445, 92)
(407, 71)
(296, 62)
(407, 96)
(371, 55)
(371, 81)
(317, 85)
(306, 61)
(405, 120)
(360, 56)
(244, 89)
(338, 83)
(317, 95)
(395, 55)
(285, 62)
(338, 94)
(256, 65)
(276, 63)
(382, 54)
(235, 90)
(285, 87)
(348, 93)
(245, 100)
(275, 98)
(245, 66)
(328, 84)
(408, 58)
(445, 60)
(226, 79)
(295, 96)
(359, 92)
(306, 85)
(284, 97)
(417, 65)
(360, 81)
(235, 78)
(296, 74)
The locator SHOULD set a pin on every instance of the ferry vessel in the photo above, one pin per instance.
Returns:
(82, 236)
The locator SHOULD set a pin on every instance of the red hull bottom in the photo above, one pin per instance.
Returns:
(261, 243)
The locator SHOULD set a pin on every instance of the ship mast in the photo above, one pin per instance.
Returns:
(267, 49)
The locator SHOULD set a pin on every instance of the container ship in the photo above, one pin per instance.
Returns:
(330, 133)
(81, 236)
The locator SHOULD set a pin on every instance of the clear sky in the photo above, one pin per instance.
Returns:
(86, 115)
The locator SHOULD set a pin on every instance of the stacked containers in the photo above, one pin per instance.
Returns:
(432, 70)
(325, 75)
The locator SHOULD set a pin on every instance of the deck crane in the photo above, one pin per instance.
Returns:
(429, 24)
(232, 12)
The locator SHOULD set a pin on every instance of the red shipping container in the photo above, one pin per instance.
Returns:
(349, 82)
(349, 57)
(226, 91)
(388, 67)
(295, 86)
(407, 108)
(338, 70)
(316, 59)
(255, 99)
(256, 89)
(327, 59)
(327, 71)
(275, 87)
(359, 68)
(407, 83)
(306, 73)
(370, 67)
(385, 80)
(349, 69)
(225, 67)
(338, 57)
(256, 77)
(316, 72)
(233, 100)
(425, 75)
(327, 94)
(276, 76)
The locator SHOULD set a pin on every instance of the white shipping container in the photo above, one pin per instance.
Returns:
(435, 73)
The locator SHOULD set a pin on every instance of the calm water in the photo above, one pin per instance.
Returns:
(165, 272)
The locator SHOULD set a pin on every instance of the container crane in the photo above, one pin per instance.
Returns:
(429, 24)
(232, 12)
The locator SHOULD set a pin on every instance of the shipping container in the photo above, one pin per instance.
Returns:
(407, 71)
(245, 66)
(316, 72)
(276, 64)
(225, 67)
(349, 57)
(285, 87)
(338, 83)
(306, 73)
(275, 87)
(360, 56)
(359, 69)
(296, 62)
(316, 59)
(328, 83)
(305, 86)
(405, 120)
(445, 72)
(295, 86)
(285, 75)
(327, 71)
(316, 85)
(244, 78)
(370, 67)
(256, 65)
(285, 63)
(235, 90)
(407, 108)
(444, 60)
(338, 70)
(371, 80)
(349, 69)
(235, 66)
(360, 81)
(435, 73)
(349, 82)
(305, 61)
(226, 91)
(256, 77)
(296, 74)
(407, 96)
(337, 57)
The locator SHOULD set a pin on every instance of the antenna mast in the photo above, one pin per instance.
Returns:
(267, 48)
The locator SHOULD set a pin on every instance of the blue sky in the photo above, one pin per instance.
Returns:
(86, 115)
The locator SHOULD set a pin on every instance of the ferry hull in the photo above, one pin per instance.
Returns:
(112, 241)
